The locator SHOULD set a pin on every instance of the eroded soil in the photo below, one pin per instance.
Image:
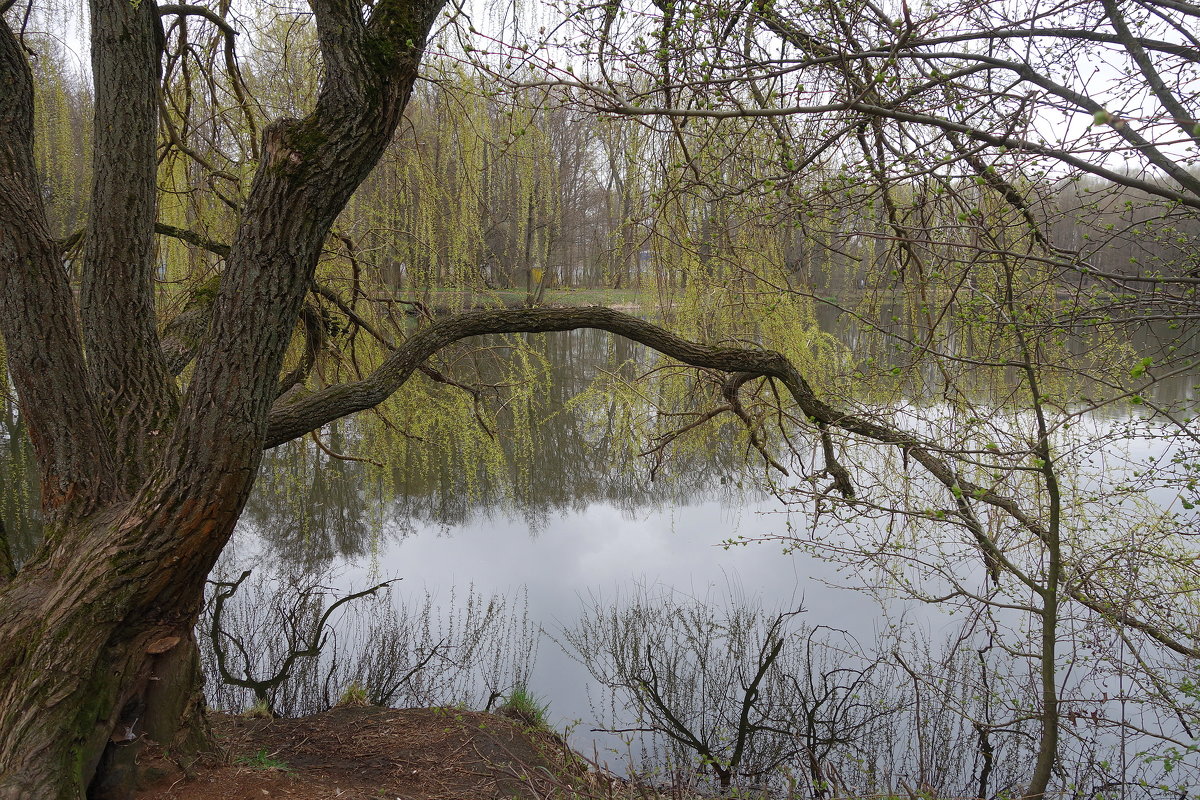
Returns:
(366, 752)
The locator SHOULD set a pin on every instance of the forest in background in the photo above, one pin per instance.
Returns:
(487, 182)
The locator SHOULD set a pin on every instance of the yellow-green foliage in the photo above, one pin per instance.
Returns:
(19, 499)
(63, 121)
(469, 179)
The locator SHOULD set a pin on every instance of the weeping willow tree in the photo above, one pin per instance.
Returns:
(61, 155)
(255, 195)
(148, 436)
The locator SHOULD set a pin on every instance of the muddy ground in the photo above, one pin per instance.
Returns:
(366, 752)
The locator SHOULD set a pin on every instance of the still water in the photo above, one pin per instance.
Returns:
(580, 528)
(576, 515)
(558, 506)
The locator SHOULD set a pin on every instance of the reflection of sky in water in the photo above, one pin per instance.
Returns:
(581, 529)
(605, 551)
(564, 548)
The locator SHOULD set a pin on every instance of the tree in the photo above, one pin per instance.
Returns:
(142, 476)
(140, 483)
(144, 473)
(738, 694)
(927, 146)
(723, 693)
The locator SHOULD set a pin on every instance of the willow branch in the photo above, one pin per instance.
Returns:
(295, 416)
(324, 448)
(730, 391)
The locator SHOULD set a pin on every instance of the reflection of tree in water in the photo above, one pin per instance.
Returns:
(722, 692)
(561, 447)
(308, 503)
(1101, 351)
(562, 422)
(292, 646)
(566, 433)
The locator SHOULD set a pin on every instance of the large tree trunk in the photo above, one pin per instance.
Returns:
(141, 487)
(142, 484)
(98, 653)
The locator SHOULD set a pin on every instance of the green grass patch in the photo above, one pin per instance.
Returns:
(354, 696)
(523, 705)
(264, 760)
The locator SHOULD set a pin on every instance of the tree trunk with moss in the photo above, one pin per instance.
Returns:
(142, 480)
(142, 483)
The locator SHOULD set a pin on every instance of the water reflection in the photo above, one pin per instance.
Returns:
(312, 507)
(558, 502)
(1097, 356)
(574, 510)
(557, 457)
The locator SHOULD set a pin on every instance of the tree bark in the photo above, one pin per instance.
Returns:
(140, 500)
(84, 644)
(37, 315)
(141, 488)
(127, 373)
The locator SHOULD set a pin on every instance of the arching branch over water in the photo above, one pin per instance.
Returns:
(294, 416)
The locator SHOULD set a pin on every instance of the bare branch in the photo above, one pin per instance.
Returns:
(198, 11)
(310, 648)
(192, 238)
(1153, 79)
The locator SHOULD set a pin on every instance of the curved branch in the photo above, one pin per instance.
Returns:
(198, 11)
(192, 238)
(293, 417)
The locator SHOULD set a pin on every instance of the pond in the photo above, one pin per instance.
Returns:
(513, 540)
(579, 525)
(572, 515)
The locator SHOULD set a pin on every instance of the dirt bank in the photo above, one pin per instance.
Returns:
(364, 752)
